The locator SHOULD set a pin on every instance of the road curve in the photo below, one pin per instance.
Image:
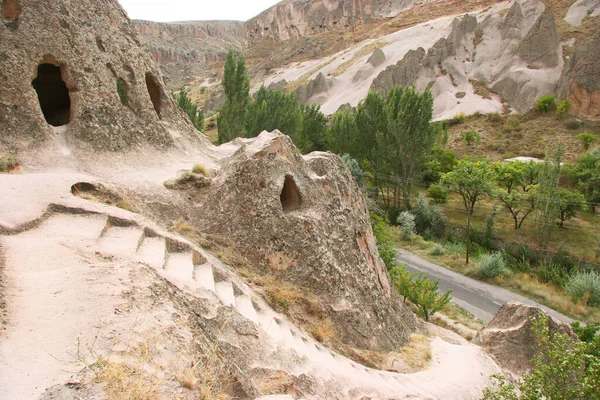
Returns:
(479, 298)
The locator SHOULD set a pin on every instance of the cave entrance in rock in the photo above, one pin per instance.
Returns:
(290, 195)
(154, 92)
(53, 94)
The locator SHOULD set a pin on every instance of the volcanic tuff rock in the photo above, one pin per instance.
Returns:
(581, 80)
(60, 65)
(510, 339)
(303, 218)
(293, 19)
(189, 49)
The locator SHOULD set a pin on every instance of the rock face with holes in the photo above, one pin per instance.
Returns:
(509, 338)
(59, 66)
(303, 219)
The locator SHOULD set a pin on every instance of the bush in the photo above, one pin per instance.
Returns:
(353, 166)
(575, 124)
(386, 245)
(438, 193)
(549, 272)
(491, 265)
(457, 119)
(8, 163)
(587, 139)
(437, 250)
(406, 221)
(513, 124)
(429, 217)
(122, 91)
(471, 136)
(584, 286)
(495, 118)
(545, 103)
(562, 108)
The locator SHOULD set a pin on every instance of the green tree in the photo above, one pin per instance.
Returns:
(568, 204)
(587, 139)
(562, 108)
(354, 168)
(515, 182)
(546, 197)
(370, 119)
(195, 114)
(314, 128)
(273, 109)
(424, 294)
(545, 103)
(472, 181)
(236, 84)
(585, 174)
(471, 136)
(343, 134)
(405, 146)
(442, 161)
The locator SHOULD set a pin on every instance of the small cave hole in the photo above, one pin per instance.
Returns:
(122, 91)
(53, 94)
(11, 9)
(290, 195)
(154, 91)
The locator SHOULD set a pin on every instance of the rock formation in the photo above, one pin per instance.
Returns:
(509, 338)
(293, 19)
(304, 219)
(185, 50)
(580, 82)
(62, 63)
(313, 88)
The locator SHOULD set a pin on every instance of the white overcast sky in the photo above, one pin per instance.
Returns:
(194, 10)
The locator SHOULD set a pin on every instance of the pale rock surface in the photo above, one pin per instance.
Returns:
(509, 338)
(582, 9)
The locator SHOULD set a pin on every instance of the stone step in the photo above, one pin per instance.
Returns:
(152, 252)
(243, 305)
(179, 268)
(203, 275)
(225, 292)
(120, 241)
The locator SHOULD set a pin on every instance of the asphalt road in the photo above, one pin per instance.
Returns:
(479, 298)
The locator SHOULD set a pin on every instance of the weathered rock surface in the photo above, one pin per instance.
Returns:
(540, 47)
(185, 50)
(304, 219)
(60, 63)
(313, 88)
(509, 337)
(580, 82)
(293, 19)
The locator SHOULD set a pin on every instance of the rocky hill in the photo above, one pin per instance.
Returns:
(186, 50)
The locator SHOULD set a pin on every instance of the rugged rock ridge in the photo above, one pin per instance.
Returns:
(518, 57)
(61, 63)
(293, 19)
(304, 219)
(189, 49)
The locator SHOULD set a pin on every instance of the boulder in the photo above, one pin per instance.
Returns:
(315, 87)
(509, 338)
(377, 58)
(304, 220)
(80, 65)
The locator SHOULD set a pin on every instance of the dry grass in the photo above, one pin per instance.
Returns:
(124, 382)
(181, 227)
(365, 51)
(417, 353)
(201, 169)
(323, 330)
(462, 316)
(8, 162)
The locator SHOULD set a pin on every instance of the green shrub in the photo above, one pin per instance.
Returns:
(491, 265)
(8, 162)
(587, 139)
(429, 217)
(438, 193)
(494, 117)
(471, 136)
(545, 103)
(202, 170)
(353, 166)
(457, 119)
(575, 124)
(437, 250)
(549, 272)
(562, 108)
(406, 221)
(521, 264)
(513, 124)
(584, 286)
(386, 245)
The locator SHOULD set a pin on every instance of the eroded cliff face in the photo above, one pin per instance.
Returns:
(79, 72)
(294, 19)
(185, 50)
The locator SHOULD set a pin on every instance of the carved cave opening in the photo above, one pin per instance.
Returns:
(290, 195)
(154, 92)
(53, 94)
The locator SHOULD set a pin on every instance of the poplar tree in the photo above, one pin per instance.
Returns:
(236, 84)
